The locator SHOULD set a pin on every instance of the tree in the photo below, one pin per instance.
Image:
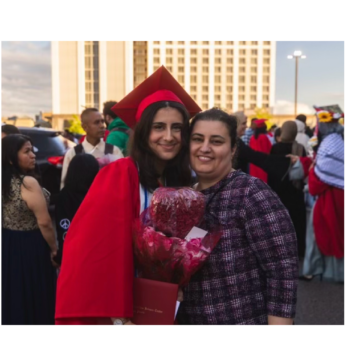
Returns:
(75, 125)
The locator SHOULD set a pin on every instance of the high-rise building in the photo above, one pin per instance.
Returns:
(233, 75)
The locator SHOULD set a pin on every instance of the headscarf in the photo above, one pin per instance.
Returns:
(301, 137)
(288, 135)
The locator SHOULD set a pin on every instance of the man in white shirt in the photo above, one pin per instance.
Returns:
(93, 124)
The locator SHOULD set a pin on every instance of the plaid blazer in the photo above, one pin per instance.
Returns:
(253, 271)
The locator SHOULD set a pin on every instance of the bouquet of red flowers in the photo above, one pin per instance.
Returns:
(168, 244)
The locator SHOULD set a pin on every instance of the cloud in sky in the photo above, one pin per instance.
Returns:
(288, 107)
(26, 78)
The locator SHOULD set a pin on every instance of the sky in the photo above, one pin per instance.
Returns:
(26, 76)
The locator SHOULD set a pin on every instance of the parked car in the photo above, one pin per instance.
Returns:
(51, 147)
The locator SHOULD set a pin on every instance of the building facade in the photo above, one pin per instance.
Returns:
(232, 75)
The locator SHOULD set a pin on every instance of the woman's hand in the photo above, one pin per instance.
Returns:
(180, 295)
(53, 254)
(293, 158)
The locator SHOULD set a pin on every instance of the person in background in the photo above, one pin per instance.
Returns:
(251, 275)
(93, 124)
(325, 229)
(8, 129)
(260, 142)
(301, 137)
(249, 132)
(241, 123)
(270, 134)
(118, 131)
(308, 130)
(290, 191)
(277, 134)
(80, 175)
(28, 239)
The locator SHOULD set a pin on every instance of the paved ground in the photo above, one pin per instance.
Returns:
(320, 303)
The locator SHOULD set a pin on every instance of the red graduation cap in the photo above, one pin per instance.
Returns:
(260, 123)
(160, 86)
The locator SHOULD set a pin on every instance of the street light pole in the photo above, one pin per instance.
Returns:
(296, 55)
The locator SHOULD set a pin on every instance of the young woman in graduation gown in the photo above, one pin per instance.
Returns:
(95, 285)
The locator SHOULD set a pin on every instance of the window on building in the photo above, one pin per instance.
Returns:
(205, 52)
(88, 63)
(242, 42)
(229, 60)
(205, 105)
(241, 97)
(254, 52)
(266, 69)
(241, 60)
(253, 79)
(205, 79)
(88, 75)
(193, 52)
(88, 98)
(229, 98)
(193, 60)
(169, 51)
(217, 60)
(267, 52)
(206, 43)
(241, 69)
(265, 79)
(242, 52)
(265, 97)
(252, 105)
(88, 49)
(181, 69)
(181, 78)
(253, 61)
(265, 89)
(229, 89)
(265, 105)
(253, 89)
(217, 98)
(169, 68)
(267, 43)
(241, 79)
(217, 69)
(169, 42)
(156, 51)
(218, 52)
(253, 70)
(229, 79)
(254, 43)
(218, 79)
(266, 61)
(193, 69)
(240, 106)
(230, 42)
(155, 67)
(205, 97)
(156, 42)
(217, 89)
(218, 43)
(194, 42)
(169, 60)
(205, 69)
(241, 89)
(205, 60)
(181, 43)
(193, 79)
(88, 86)
(193, 89)
(181, 60)
(253, 97)
(229, 52)
(181, 52)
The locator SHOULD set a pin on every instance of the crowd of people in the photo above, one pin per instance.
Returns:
(257, 185)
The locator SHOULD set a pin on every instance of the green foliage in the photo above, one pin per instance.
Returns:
(75, 125)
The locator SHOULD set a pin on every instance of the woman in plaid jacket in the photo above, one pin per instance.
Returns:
(251, 276)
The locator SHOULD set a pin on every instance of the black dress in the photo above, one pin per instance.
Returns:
(28, 277)
(291, 196)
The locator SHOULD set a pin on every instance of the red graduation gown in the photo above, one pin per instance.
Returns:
(96, 277)
(261, 144)
(328, 216)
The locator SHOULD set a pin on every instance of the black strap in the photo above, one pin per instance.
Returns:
(109, 149)
(121, 129)
(79, 149)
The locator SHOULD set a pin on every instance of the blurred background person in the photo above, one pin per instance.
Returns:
(308, 130)
(260, 142)
(301, 137)
(277, 133)
(291, 191)
(81, 172)
(249, 132)
(28, 239)
(8, 129)
(118, 131)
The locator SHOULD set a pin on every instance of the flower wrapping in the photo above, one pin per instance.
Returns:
(161, 252)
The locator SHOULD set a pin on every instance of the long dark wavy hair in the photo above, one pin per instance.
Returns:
(11, 144)
(177, 171)
(260, 130)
